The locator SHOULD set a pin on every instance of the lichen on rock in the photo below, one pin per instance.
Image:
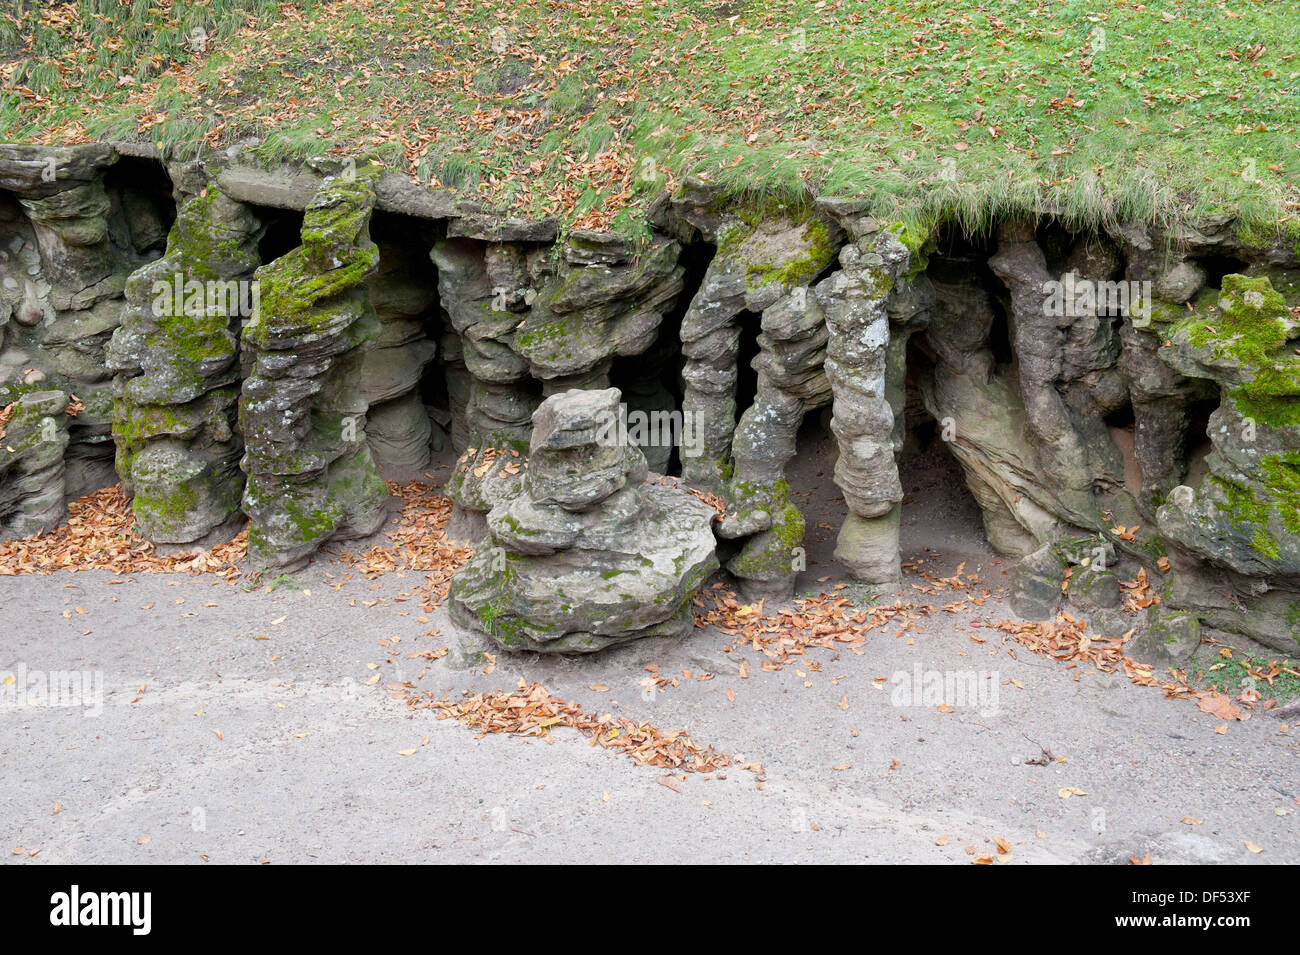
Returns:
(178, 376)
(311, 476)
(585, 555)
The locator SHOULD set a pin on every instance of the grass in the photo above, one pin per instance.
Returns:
(961, 111)
(1233, 671)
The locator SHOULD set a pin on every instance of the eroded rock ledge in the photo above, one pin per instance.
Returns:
(1157, 423)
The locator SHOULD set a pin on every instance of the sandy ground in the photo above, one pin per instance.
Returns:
(213, 745)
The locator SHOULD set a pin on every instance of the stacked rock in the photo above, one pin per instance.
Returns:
(178, 385)
(33, 436)
(486, 291)
(67, 251)
(853, 300)
(585, 555)
(602, 300)
(311, 477)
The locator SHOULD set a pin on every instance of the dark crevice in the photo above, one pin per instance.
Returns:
(750, 325)
(142, 192)
(283, 232)
(1217, 266)
(1197, 444)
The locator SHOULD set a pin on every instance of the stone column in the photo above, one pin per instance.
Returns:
(854, 302)
(486, 291)
(311, 477)
(177, 389)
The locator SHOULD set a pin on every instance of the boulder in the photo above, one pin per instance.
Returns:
(584, 555)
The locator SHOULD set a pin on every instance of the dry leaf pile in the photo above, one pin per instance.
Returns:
(532, 711)
(1137, 593)
(513, 461)
(822, 621)
(1067, 641)
(419, 543)
(101, 534)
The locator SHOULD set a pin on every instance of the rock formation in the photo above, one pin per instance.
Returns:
(177, 358)
(311, 477)
(33, 438)
(67, 243)
(856, 365)
(759, 260)
(585, 555)
(1236, 536)
(1152, 417)
(486, 290)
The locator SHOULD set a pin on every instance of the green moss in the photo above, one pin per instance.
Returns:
(1244, 511)
(162, 512)
(1281, 474)
(1251, 330)
(769, 555)
(800, 270)
(1155, 546)
(919, 241)
(1293, 620)
(1264, 235)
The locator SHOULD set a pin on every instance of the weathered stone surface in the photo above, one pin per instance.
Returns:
(480, 480)
(1036, 584)
(853, 301)
(33, 437)
(1169, 639)
(585, 555)
(67, 243)
(1243, 518)
(791, 382)
(868, 547)
(486, 291)
(311, 476)
(1067, 382)
(397, 423)
(759, 260)
(1091, 589)
(601, 301)
(176, 355)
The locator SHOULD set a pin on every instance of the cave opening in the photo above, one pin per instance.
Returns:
(1122, 417)
(1217, 266)
(961, 261)
(937, 501)
(409, 418)
(1196, 443)
(142, 191)
(283, 232)
(1057, 242)
(652, 380)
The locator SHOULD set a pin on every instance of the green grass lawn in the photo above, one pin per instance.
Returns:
(950, 110)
